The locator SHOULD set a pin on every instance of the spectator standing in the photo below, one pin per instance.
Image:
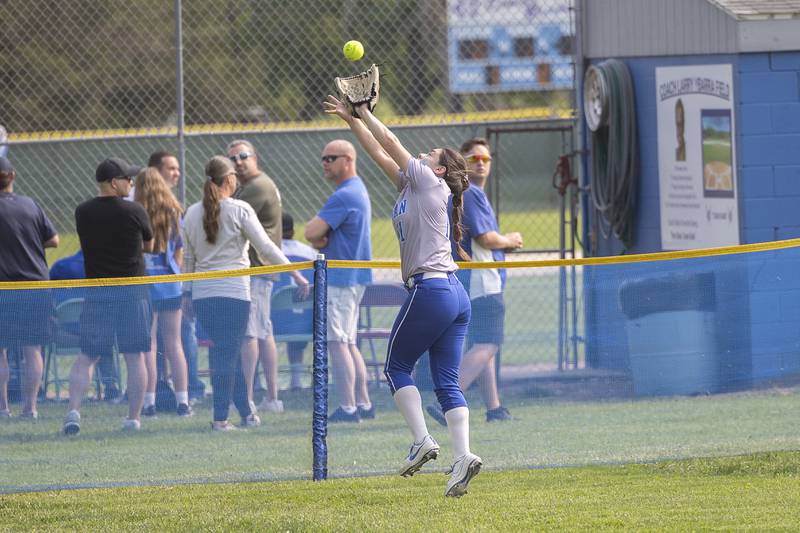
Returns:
(168, 165)
(484, 242)
(164, 212)
(258, 190)
(25, 231)
(113, 233)
(341, 230)
(217, 234)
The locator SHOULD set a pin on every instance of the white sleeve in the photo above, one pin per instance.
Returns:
(188, 257)
(254, 232)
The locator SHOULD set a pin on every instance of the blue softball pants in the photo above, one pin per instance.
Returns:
(434, 318)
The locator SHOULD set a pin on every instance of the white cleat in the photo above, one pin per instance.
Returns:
(418, 455)
(463, 470)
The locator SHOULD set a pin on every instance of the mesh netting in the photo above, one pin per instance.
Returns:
(651, 360)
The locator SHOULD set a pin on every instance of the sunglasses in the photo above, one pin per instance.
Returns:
(331, 158)
(482, 158)
(241, 156)
(129, 179)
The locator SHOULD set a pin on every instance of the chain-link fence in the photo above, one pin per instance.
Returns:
(83, 80)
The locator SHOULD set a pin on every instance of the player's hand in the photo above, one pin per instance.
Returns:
(303, 288)
(514, 239)
(333, 106)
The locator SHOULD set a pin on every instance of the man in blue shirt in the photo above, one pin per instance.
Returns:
(341, 230)
(25, 231)
(484, 243)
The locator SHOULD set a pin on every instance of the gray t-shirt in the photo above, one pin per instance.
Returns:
(421, 223)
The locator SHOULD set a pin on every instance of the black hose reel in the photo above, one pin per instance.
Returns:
(610, 113)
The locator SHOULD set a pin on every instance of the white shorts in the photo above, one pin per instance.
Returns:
(343, 305)
(259, 325)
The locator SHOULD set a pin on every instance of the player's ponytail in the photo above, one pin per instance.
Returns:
(217, 169)
(457, 180)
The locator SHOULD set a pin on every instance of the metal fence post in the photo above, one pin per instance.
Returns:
(320, 371)
(179, 99)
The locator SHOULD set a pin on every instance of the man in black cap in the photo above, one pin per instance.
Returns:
(113, 233)
(25, 231)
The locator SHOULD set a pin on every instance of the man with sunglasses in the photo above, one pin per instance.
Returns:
(483, 242)
(258, 190)
(113, 233)
(341, 230)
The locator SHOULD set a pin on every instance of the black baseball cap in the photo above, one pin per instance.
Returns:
(5, 166)
(115, 167)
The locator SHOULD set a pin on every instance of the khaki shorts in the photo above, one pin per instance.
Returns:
(343, 305)
(259, 325)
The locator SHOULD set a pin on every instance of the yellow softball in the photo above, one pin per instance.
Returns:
(353, 50)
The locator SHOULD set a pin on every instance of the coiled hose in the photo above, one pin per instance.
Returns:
(614, 146)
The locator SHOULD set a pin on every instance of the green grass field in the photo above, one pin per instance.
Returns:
(752, 492)
(547, 431)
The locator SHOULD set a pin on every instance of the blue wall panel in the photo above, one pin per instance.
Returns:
(762, 300)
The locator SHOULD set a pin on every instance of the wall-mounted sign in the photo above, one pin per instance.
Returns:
(697, 157)
(505, 45)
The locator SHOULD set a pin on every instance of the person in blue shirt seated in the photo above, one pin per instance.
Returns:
(71, 267)
(288, 322)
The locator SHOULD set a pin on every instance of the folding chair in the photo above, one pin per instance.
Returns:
(377, 295)
(291, 317)
(66, 341)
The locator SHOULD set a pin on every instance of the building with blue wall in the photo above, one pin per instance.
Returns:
(757, 322)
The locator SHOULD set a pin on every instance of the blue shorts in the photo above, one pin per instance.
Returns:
(488, 320)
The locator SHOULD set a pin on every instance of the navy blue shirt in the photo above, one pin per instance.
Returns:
(479, 218)
(24, 228)
(348, 213)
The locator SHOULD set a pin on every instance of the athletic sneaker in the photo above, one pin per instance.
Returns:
(366, 414)
(131, 425)
(5, 413)
(72, 423)
(463, 470)
(33, 415)
(251, 421)
(340, 415)
(149, 411)
(223, 425)
(184, 409)
(271, 406)
(418, 455)
(436, 413)
(253, 408)
(498, 414)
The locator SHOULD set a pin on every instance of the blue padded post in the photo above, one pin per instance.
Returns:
(320, 325)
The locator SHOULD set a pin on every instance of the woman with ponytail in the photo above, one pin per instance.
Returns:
(436, 313)
(216, 233)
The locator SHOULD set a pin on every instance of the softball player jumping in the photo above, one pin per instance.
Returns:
(436, 313)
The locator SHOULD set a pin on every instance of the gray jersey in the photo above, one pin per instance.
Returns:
(421, 223)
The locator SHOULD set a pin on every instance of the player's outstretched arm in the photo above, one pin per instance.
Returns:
(333, 106)
(388, 140)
